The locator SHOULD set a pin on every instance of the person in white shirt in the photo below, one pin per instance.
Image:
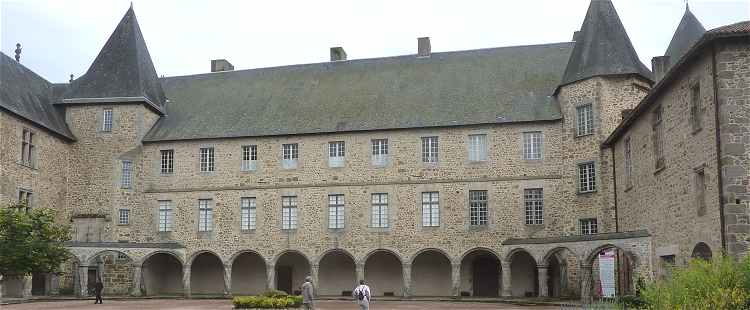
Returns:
(362, 295)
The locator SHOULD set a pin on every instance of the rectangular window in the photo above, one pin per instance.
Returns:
(28, 149)
(379, 152)
(532, 145)
(588, 226)
(247, 213)
(658, 138)
(430, 150)
(249, 157)
(124, 217)
(107, 120)
(336, 211)
(205, 215)
(628, 163)
(430, 209)
(167, 161)
(586, 177)
(165, 215)
(696, 115)
(25, 199)
(290, 154)
(478, 207)
(336, 154)
(207, 159)
(379, 210)
(127, 173)
(700, 192)
(584, 120)
(289, 212)
(534, 202)
(477, 147)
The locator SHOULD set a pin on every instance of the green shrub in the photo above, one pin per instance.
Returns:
(275, 293)
(269, 300)
(718, 284)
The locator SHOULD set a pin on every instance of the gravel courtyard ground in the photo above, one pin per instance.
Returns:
(196, 304)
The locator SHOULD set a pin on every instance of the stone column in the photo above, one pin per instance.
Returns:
(26, 291)
(500, 280)
(83, 278)
(186, 281)
(54, 283)
(585, 279)
(456, 280)
(406, 274)
(270, 277)
(541, 271)
(360, 272)
(227, 280)
(506, 278)
(314, 275)
(136, 289)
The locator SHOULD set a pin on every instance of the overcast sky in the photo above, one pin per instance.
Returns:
(64, 37)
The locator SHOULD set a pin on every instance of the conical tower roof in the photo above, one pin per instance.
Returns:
(602, 47)
(123, 69)
(688, 32)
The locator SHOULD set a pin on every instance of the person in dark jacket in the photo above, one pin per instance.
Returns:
(98, 288)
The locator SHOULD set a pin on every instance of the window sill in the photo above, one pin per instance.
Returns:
(166, 174)
(587, 192)
(477, 162)
(247, 231)
(535, 225)
(120, 224)
(481, 227)
(659, 169)
(628, 188)
(430, 227)
(695, 131)
(380, 229)
(533, 161)
(207, 173)
(335, 230)
(429, 165)
(29, 166)
(583, 135)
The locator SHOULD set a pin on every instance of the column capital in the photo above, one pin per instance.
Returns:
(539, 266)
(586, 266)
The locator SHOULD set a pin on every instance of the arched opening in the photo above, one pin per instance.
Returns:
(611, 272)
(248, 274)
(702, 251)
(523, 275)
(383, 273)
(114, 269)
(431, 274)
(207, 275)
(562, 273)
(480, 274)
(291, 270)
(162, 275)
(39, 285)
(336, 274)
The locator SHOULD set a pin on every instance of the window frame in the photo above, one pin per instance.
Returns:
(123, 214)
(585, 120)
(28, 148)
(26, 198)
(379, 210)
(700, 190)
(478, 208)
(380, 152)
(126, 176)
(207, 159)
(588, 226)
(628, 156)
(431, 203)
(657, 135)
(166, 165)
(532, 145)
(336, 211)
(336, 154)
(696, 113)
(533, 199)
(165, 216)
(205, 215)
(249, 157)
(248, 213)
(290, 155)
(477, 147)
(430, 150)
(107, 120)
(586, 172)
(289, 221)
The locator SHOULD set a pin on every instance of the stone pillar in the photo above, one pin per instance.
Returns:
(585, 279)
(137, 274)
(541, 271)
(360, 272)
(186, 281)
(270, 277)
(506, 278)
(26, 291)
(227, 280)
(314, 275)
(456, 280)
(54, 283)
(83, 278)
(406, 274)
(500, 280)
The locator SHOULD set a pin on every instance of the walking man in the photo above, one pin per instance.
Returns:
(98, 287)
(307, 294)
(362, 294)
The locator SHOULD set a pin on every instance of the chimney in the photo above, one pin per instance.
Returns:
(423, 47)
(338, 54)
(18, 52)
(218, 65)
(659, 65)
(575, 35)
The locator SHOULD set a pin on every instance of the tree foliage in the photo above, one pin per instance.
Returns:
(31, 241)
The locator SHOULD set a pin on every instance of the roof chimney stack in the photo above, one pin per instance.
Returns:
(338, 54)
(659, 65)
(18, 52)
(423, 47)
(218, 65)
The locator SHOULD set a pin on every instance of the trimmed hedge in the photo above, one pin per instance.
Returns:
(269, 300)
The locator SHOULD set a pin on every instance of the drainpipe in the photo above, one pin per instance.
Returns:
(614, 184)
(719, 176)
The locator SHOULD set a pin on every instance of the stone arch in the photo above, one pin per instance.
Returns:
(329, 251)
(336, 272)
(195, 254)
(291, 268)
(523, 273)
(248, 272)
(170, 253)
(480, 272)
(624, 268)
(206, 274)
(444, 253)
(702, 251)
(431, 273)
(386, 250)
(562, 272)
(162, 273)
(114, 268)
(383, 270)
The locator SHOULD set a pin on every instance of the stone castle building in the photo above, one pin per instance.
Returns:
(493, 172)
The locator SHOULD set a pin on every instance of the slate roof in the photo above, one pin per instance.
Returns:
(688, 32)
(123, 69)
(495, 85)
(29, 96)
(603, 47)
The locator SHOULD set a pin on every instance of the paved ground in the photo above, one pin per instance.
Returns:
(196, 304)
